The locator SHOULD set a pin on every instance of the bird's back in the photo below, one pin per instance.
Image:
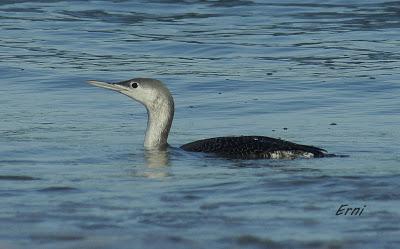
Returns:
(253, 147)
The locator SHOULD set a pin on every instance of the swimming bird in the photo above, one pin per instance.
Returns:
(157, 99)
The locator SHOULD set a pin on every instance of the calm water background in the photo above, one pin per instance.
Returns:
(73, 172)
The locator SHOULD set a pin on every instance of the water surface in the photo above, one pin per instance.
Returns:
(73, 172)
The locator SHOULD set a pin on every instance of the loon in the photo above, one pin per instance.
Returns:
(157, 99)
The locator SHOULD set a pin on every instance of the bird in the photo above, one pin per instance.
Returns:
(159, 103)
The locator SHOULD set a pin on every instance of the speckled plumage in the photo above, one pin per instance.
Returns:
(253, 147)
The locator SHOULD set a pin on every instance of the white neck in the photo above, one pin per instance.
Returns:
(160, 115)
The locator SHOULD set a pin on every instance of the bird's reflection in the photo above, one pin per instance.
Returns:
(157, 163)
(156, 158)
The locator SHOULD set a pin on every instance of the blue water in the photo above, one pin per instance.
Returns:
(73, 171)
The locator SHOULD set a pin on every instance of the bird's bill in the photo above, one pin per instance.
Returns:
(106, 85)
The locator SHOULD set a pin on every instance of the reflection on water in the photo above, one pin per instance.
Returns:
(157, 163)
(157, 158)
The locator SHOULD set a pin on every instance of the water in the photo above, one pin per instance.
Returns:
(73, 172)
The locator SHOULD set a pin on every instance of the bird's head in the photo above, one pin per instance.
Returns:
(150, 92)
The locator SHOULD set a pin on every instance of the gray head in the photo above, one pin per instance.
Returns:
(149, 92)
(158, 101)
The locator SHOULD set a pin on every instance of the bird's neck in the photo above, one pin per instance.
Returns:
(159, 122)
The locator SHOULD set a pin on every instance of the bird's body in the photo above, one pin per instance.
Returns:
(160, 108)
(253, 147)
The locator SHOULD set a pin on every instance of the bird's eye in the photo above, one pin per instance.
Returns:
(134, 85)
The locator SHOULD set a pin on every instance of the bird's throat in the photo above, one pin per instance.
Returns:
(158, 126)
